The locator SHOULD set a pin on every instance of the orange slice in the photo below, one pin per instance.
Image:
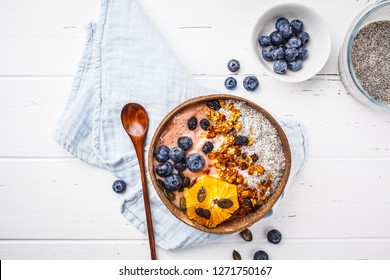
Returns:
(216, 204)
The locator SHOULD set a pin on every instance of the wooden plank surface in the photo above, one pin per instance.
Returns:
(53, 206)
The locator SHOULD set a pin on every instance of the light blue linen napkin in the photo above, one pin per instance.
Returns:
(126, 60)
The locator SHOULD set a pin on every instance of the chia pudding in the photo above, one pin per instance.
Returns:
(244, 150)
(370, 59)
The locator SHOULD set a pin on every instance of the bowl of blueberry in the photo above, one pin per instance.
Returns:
(219, 162)
(291, 42)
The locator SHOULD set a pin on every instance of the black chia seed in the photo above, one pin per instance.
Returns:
(371, 59)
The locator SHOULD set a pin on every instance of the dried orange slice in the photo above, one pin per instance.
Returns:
(210, 201)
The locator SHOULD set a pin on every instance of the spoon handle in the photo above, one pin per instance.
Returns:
(139, 149)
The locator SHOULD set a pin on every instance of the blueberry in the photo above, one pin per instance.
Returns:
(267, 52)
(290, 54)
(280, 21)
(278, 53)
(274, 236)
(184, 142)
(195, 162)
(264, 40)
(192, 123)
(295, 65)
(119, 186)
(280, 66)
(213, 104)
(176, 154)
(241, 140)
(230, 83)
(233, 65)
(248, 202)
(260, 255)
(180, 166)
(285, 30)
(251, 83)
(297, 26)
(204, 124)
(161, 154)
(164, 169)
(173, 182)
(295, 42)
(207, 147)
(276, 38)
(303, 53)
(304, 37)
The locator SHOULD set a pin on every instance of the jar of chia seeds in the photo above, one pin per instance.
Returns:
(364, 59)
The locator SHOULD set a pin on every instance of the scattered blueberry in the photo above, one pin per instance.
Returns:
(278, 53)
(176, 154)
(274, 236)
(119, 186)
(295, 65)
(233, 65)
(251, 83)
(290, 54)
(173, 182)
(230, 83)
(276, 38)
(241, 140)
(285, 30)
(267, 53)
(213, 104)
(184, 142)
(280, 21)
(204, 124)
(304, 37)
(297, 26)
(164, 169)
(180, 166)
(161, 154)
(264, 40)
(280, 66)
(260, 255)
(192, 123)
(295, 42)
(195, 162)
(207, 147)
(303, 53)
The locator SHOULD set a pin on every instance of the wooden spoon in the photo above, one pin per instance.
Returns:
(135, 121)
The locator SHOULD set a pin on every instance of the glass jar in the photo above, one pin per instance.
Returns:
(378, 11)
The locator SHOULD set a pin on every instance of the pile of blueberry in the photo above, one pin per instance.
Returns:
(286, 46)
(250, 83)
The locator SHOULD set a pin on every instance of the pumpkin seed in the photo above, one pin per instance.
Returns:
(201, 194)
(236, 255)
(160, 183)
(186, 182)
(246, 234)
(192, 183)
(183, 205)
(181, 174)
(225, 203)
(203, 213)
(170, 195)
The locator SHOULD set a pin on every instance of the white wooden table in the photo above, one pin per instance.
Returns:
(53, 206)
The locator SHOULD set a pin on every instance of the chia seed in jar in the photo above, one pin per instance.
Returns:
(371, 59)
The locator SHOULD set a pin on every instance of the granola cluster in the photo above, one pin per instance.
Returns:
(229, 160)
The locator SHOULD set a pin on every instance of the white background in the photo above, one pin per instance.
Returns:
(53, 206)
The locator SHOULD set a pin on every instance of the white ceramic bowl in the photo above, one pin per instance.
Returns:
(318, 45)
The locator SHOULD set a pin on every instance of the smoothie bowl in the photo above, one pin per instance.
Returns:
(219, 163)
